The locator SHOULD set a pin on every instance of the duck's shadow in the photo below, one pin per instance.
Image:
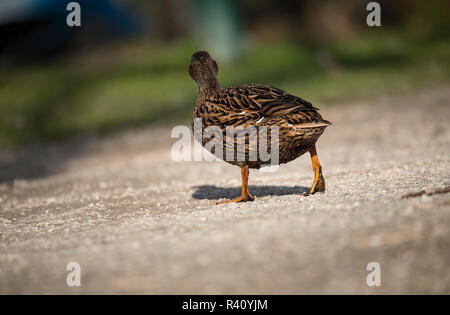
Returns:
(213, 192)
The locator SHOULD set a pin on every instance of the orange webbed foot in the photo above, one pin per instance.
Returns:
(319, 180)
(242, 198)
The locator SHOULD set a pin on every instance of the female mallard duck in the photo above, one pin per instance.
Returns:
(299, 123)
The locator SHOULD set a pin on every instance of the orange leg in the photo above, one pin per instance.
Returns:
(319, 181)
(245, 195)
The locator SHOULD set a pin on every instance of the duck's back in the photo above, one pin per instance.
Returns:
(255, 105)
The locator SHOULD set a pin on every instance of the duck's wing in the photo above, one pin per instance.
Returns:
(260, 103)
(271, 101)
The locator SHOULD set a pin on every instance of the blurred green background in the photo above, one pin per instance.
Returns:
(127, 64)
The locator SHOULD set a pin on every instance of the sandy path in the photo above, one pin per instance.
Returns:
(137, 222)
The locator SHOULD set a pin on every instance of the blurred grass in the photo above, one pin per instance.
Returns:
(97, 93)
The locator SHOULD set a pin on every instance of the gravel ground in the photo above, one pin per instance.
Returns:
(138, 222)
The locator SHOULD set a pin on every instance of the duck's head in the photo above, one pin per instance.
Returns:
(203, 70)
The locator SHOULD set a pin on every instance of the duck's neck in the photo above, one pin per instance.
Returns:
(210, 86)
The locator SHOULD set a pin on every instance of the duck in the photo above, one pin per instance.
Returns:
(298, 123)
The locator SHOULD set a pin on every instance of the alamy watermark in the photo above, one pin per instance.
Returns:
(374, 277)
(234, 144)
(73, 279)
(74, 17)
(374, 17)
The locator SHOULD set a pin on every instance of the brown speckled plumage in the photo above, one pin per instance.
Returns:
(300, 124)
